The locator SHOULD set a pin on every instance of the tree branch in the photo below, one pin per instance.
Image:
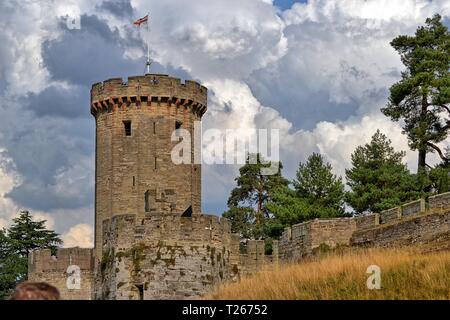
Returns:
(445, 107)
(439, 151)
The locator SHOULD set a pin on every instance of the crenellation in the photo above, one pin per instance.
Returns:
(161, 88)
(43, 260)
(440, 201)
(391, 215)
(413, 208)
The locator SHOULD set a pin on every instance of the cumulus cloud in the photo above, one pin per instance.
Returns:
(80, 235)
(318, 72)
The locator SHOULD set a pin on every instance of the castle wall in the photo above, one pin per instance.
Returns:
(411, 223)
(391, 215)
(440, 201)
(302, 239)
(255, 259)
(166, 257)
(422, 230)
(42, 266)
(135, 173)
(367, 221)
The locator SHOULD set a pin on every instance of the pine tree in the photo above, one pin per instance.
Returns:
(421, 98)
(378, 179)
(248, 201)
(27, 235)
(317, 184)
(16, 243)
(317, 193)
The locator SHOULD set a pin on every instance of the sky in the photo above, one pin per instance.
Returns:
(318, 71)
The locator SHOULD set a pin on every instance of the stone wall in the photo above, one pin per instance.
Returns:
(411, 223)
(418, 230)
(413, 208)
(440, 202)
(42, 266)
(391, 215)
(302, 239)
(367, 221)
(255, 259)
(166, 257)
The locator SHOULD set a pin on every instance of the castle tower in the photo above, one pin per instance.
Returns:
(151, 239)
(134, 170)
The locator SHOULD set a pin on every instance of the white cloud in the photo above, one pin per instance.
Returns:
(261, 65)
(215, 39)
(80, 235)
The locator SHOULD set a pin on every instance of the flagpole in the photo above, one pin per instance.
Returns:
(148, 64)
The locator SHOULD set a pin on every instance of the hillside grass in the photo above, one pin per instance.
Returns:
(405, 274)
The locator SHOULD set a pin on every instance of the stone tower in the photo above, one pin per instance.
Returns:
(134, 171)
(151, 239)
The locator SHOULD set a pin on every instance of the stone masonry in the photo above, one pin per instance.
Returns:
(152, 240)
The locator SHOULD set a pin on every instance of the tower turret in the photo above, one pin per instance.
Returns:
(134, 170)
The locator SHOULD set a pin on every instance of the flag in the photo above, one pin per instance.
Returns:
(141, 21)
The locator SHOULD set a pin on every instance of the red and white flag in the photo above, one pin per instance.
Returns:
(141, 21)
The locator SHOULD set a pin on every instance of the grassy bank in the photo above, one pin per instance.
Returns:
(405, 274)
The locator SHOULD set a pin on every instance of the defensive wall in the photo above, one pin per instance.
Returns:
(70, 270)
(419, 222)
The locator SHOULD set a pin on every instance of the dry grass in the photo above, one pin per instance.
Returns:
(405, 274)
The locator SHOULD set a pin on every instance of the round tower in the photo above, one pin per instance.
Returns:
(135, 173)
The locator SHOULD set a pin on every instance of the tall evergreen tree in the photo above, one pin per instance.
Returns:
(316, 183)
(16, 243)
(421, 98)
(317, 193)
(26, 235)
(378, 179)
(248, 201)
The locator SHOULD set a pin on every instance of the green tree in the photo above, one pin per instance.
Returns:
(248, 201)
(317, 184)
(16, 243)
(421, 98)
(317, 193)
(11, 266)
(241, 219)
(378, 179)
(26, 235)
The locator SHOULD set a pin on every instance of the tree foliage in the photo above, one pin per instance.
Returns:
(248, 201)
(23, 236)
(317, 193)
(421, 98)
(378, 179)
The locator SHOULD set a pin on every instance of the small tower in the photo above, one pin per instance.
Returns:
(134, 170)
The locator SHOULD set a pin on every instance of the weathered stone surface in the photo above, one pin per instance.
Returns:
(135, 174)
(367, 221)
(413, 208)
(391, 215)
(146, 249)
(416, 230)
(42, 266)
(300, 240)
(441, 201)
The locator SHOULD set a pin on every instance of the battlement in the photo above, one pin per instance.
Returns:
(303, 239)
(43, 260)
(125, 230)
(149, 90)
